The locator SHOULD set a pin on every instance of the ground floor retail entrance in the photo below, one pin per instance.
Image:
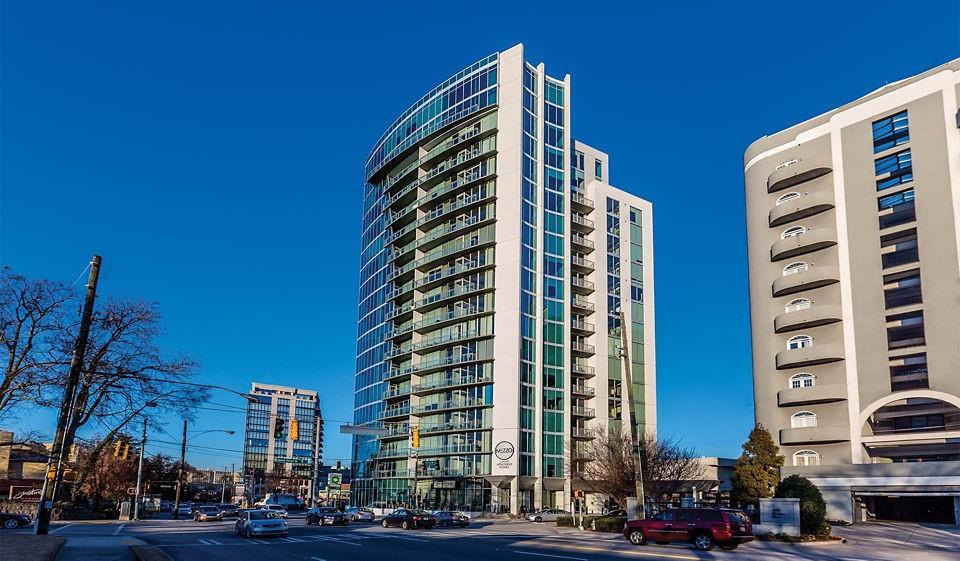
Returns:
(919, 508)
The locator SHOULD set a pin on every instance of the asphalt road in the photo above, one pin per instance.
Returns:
(485, 540)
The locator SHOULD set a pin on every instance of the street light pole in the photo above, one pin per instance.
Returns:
(634, 423)
(54, 472)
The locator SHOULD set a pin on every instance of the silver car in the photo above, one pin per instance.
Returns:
(547, 515)
(253, 523)
(360, 514)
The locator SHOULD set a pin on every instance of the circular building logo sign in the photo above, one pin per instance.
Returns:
(504, 450)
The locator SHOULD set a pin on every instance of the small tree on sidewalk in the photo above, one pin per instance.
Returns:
(758, 469)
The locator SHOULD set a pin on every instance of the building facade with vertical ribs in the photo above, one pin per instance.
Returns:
(853, 225)
(283, 441)
(496, 260)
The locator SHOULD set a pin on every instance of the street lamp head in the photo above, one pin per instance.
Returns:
(230, 431)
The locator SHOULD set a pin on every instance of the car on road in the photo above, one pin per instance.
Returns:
(11, 520)
(618, 513)
(280, 510)
(547, 515)
(327, 515)
(408, 518)
(448, 518)
(360, 514)
(229, 510)
(207, 513)
(260, 522)
(185, 512)
(703, 527)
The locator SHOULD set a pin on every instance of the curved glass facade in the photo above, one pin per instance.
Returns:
(425, 350)
(476, 362)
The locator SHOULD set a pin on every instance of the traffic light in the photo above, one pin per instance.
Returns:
(126, 451)
(278, 428)
(415, 437)
(116, 449)
(295, 429)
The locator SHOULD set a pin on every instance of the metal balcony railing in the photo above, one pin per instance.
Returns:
(583, 411)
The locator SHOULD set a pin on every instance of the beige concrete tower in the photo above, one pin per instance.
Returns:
(853, 224)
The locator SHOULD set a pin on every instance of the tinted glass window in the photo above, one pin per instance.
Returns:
(709, 515)
(666, 515)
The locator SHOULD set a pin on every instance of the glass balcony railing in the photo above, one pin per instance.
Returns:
(579, 199)
(457, 426)
(581, 303)
(582, 348)
(581, 432)
(395, 412)
(582, 326)
(444, 339)
(396, 351)
(581, 220)
(462, 403)
(582, 390)
(582, 283)
(583, 369)
(580, 240)
(583, 411)
(465, 448)
(581, 262)
(451, 383)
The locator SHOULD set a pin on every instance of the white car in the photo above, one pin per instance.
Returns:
(547, 515)
(279, 509)
(263, 522)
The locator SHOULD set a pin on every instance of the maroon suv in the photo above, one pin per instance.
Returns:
(703, 527)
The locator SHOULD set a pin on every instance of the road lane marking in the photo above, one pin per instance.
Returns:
(317, 559)
(548, 555)
(118, 530)
(63, 527)
(625, 552)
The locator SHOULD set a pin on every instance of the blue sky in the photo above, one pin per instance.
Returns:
(213, 154)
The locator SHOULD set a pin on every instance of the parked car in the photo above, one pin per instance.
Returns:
(616, 513)
(703, 527)
(360, 514)
(11, 520)
(547, 515)
(408, 518)
(185, 511)
(279, 509)
(326, 515)
(229, 510)
(447, 518)
(260, 522)
(166, 506)
(207, 513)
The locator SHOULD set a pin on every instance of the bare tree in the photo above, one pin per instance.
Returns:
(124, 372)
(33, 313)
(605, 464)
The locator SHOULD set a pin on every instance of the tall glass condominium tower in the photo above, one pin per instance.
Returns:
(498, 268)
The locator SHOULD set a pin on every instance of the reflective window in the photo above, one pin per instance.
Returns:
(890, 131)
(894, 170)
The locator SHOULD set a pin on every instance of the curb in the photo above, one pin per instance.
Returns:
(149, 553)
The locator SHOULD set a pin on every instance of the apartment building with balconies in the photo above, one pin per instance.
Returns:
(497, 266)
(853, 226)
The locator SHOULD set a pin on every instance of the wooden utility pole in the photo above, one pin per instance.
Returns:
(634, 423)
(137, 494)
(54, 473)
(183, 459)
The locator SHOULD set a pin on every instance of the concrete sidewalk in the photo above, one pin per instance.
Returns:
(101, 548)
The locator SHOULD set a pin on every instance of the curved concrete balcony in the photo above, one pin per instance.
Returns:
(795, 174)
(813, 435)
(809, 356)
(807, 242)
(802, 207)
(820, 393)
(814, 277)
(814, 316)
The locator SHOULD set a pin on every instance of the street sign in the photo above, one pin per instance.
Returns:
(334, 480)
(288, 460)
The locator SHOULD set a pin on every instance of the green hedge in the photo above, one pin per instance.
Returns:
(610, 524)
(603, 523)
